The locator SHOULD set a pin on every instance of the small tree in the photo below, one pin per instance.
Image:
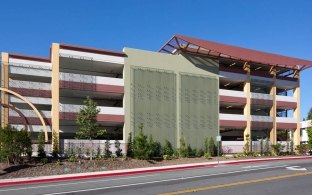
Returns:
(261, 146)
(206, 145)
(267, 147)
(55, 143)
(41, 144)
(154, 148)
(86, 120)
(88, 126)
(184, 149)
(130, 146)
(247, 144)
(277, 149)
(107, 151)
(118, 151)
(167, 148)
(212, 147)
(14, 144)
(140, 145)
(22, 144)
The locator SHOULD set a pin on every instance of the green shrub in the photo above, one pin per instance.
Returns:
(206, 144)
(212, 147)
(191, 151)
(113, 158)
(261, 147)
(277, 148)
(291, 147)
(14, 144)
(242, 154)
(58, 162)
(167, 148)
(247, 144)
(107, 151)
(207, 155)
(302, 148)
(129, 152)
(254, 154)
(267, 147)
(73, 158)
(99, 157)
(176, 153)
(41, 143)
(154, 148)
(55, 140)
(140, 145)
(166, 157)
(118, 151)
(124, 158)
(44, 160)
(145, 148)
(200, 153)
(184, 148)
(98, 153)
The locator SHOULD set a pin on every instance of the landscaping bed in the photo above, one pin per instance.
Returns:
(54, 167)
(34, 169)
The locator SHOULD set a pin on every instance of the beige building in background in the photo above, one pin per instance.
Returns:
(190, 88)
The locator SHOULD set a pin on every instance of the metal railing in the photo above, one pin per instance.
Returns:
(83, 148)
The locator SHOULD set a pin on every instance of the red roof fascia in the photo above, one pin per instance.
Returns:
(249, 55)
(28, 57)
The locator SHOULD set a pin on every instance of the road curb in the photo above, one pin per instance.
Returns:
(56, 178)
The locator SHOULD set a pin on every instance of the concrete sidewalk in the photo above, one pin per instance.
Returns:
(66, 177)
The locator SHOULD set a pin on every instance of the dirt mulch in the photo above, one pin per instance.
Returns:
(34, 169)
(53, 168)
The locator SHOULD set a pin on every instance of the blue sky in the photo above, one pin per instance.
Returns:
(282, 27)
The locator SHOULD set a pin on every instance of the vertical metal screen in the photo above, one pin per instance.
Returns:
(199, 108)
(153, 94)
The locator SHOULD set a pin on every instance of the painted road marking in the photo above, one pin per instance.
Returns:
(221, 165)
(248, 167)
(296, 168)
(77, 183)
(235, 184)
(160, 181)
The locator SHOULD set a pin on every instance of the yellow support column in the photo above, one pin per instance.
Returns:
(55, 59)
(4, 84)
(297, 110)
(247, 107)
(273, 137)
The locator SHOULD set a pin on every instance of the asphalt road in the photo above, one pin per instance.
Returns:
(276, 177)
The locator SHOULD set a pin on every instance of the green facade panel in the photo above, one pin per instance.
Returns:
(153, 94)
(172, 96)
(199, 108)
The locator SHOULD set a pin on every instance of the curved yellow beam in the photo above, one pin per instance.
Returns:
(33, 107)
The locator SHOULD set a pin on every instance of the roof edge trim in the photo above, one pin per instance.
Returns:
(92, 50)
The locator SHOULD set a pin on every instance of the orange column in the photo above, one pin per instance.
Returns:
(4, 84)
(273, 137)
(247, 107)
(55, 93)
(297, 110)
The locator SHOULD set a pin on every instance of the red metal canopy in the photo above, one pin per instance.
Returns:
(219, 50)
